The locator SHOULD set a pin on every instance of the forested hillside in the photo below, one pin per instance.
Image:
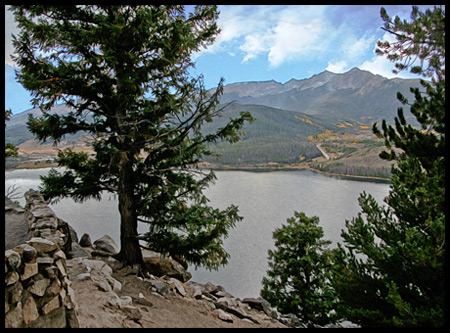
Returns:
(276, 136)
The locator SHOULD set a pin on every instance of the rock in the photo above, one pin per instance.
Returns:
(59, 255)
(100, 282)
(83, 276)
(100, 273)
(15, 293)
(125, 301)
(30, 269)
(80, 252)
(38, 288)
(45, 260)
(11, 278)
(227, 301)
(256, 303)
(223, 315)
(13, 259)
(106, 270)
(121, 302)
(113, 263)
(261, 304)
(61, 267)
(211, 288)
(14, 318)
(53, 304)
(72, 232)
(51, 272)
(85, 241)
(54, 288)
(42, 212)
(143, 301)
(237, 312)
(29, 312)
(160, 265)
(113, 299)
(178, 286)
(291, 320)
(28, 252)
(196, 291)
(116, 285)
(42, 245)
(47, 223)
(107, 244)
(222, 294)
(93, 265)
(132, 312)
(161, 287)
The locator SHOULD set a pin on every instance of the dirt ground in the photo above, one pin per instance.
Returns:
(95, 308)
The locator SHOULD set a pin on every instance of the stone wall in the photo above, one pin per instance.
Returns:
(37, 288)
(42, 222)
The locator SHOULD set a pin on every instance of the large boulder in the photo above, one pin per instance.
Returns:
(85, 241)
(160, 265)
(107, 244)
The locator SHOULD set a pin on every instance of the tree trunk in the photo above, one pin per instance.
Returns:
(130, 251)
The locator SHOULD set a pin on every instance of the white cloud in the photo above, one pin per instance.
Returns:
(297, 34)
(382, 66)
(338, 67)
(355, 48)
(287, 33)
(282, 33)
(350, 52)
(379, 65)
(253, 46)
(236, 22)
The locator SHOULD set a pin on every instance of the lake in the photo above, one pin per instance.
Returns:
(265, 200)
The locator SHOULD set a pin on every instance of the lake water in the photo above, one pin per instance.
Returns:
(265, 200)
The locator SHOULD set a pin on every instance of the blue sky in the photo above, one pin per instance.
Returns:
(273, 42)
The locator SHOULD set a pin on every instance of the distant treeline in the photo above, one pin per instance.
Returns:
(252, 151)
(356, 170)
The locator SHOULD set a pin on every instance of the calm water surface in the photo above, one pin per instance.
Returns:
(265, 200)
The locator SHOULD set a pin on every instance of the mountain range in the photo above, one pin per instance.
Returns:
(354, 95)
(293, 120)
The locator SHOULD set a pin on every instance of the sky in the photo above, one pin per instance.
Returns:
(272, 42)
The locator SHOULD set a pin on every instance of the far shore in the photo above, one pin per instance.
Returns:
(249, 168)
(293, 167)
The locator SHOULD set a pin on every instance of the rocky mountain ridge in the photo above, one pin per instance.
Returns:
(353, 79)
(356, 94)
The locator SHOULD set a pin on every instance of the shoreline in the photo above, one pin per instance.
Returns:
(255, 168)
(295, 167)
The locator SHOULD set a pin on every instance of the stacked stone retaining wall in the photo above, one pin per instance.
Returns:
(37, 288)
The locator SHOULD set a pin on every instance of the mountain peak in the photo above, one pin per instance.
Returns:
(355, 70)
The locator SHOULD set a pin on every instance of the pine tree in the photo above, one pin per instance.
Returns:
(391, 271)
(124, 71)
(298, 278)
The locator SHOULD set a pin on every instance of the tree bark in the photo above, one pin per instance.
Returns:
(130, 251)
